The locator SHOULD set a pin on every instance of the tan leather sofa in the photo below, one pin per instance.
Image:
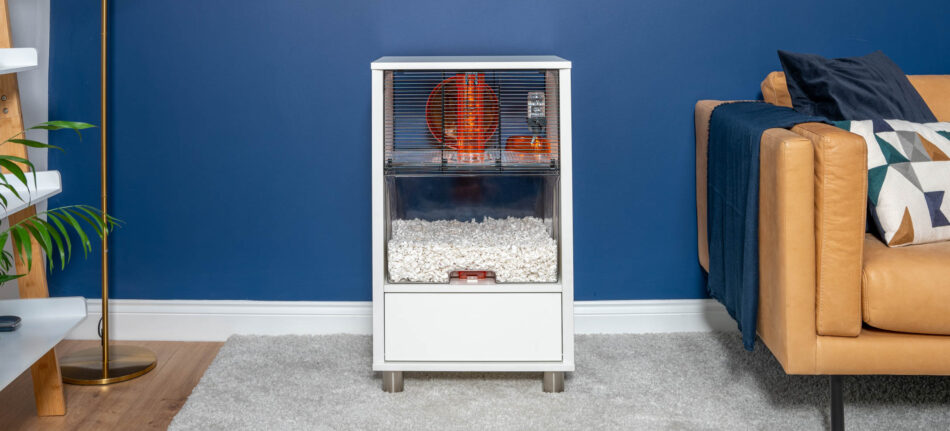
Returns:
(833, 299)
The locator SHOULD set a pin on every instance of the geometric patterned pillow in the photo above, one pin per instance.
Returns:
(908, 179)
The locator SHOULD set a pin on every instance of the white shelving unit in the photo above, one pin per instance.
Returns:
(45, 322)
(46, 185)
(13, 60)
(474, 327)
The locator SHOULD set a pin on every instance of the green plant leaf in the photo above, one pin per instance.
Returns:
(26, 162)
(5, 258)
(96, 215)
(34, 144)
(93, 221)
(57, 125)
(13, 168)
(53, 236)
(21, 241)
(56, 239)
(6, 261)
(6, 277)
(84, 240)
(59, 225)
(42, 238)
(8, 186)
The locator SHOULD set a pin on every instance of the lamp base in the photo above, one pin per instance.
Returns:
(125, 363)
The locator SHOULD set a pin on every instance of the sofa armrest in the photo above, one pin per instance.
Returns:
(786, 322)
(704, 109)
(840, 182)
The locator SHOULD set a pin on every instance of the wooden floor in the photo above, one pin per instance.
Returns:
(148, 402)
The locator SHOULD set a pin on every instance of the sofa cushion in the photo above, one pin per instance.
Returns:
(908, 178)
(856, 88)
(906, 289)
(935, 90)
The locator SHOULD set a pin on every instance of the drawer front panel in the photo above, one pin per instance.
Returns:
(473, 327)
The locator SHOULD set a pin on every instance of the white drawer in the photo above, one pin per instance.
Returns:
(473, 327)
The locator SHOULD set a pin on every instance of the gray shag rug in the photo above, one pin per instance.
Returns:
(622, 382)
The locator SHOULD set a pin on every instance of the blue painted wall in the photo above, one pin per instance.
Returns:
(240, 128)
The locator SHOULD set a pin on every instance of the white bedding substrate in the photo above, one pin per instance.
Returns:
(518, 250)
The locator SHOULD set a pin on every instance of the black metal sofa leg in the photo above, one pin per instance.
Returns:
(837, 404)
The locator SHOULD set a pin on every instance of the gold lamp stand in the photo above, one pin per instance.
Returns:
(106, 365)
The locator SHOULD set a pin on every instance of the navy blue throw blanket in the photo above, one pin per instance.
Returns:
(735, 133)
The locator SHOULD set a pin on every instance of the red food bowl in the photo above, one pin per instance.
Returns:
(528, 144)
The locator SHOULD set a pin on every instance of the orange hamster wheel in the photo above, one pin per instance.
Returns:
(462, 112)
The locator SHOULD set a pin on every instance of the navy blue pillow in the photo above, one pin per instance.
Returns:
(857, 88)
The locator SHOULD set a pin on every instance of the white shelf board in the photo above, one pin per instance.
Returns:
(471, 62)
(14, 60)
(45, 322)
(48, 184)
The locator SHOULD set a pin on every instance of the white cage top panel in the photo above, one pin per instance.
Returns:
(472, 62)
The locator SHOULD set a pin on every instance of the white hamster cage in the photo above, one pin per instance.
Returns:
(472, 233)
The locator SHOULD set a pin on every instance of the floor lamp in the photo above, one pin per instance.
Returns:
(106, 364)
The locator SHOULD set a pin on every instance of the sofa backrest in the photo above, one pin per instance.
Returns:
(935, 89)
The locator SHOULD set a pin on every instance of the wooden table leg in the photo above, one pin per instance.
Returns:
(48, 386)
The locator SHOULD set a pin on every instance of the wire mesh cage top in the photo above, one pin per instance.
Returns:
(501, 121)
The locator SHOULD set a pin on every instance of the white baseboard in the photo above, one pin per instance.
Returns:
(654, 315)
(199, 320)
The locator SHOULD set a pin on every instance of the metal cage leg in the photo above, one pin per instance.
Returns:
(552, 381)
(837, 404)
(392, 381)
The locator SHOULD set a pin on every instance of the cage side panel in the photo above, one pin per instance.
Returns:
(378, 216)
(567, 213)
